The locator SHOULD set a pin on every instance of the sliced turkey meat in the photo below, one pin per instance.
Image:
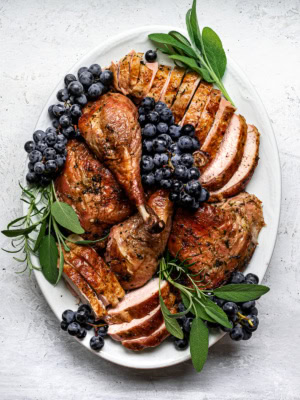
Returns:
(184, 95)
(218, 238)
(208, 115)
(243, 174)
(138, 303)
(93, 269)
(169, 93)
(228, 157)
(145, 80)
(135, 69)
(153, 340)
(132, 251)
(81, 289)
(137, 327)
(124, 73)
(159, 81)
(197, 104)
(140, 327)
(114, 68)
(215, 136)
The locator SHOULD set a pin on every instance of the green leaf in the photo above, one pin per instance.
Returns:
(195, 27)
(192, 64)
(65, 216)
(40, 235)
(189, 62)
(214, 51)
(15, 221)
(18, 232)
(164, 38)
(240, 292)
(198, 343)
(48, 255)
(179, 37)
(61, 264)
(164, 49)
(206, 75)
(189, 26)
(171, 324)
(216, 313)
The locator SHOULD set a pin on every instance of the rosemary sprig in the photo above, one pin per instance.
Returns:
(47, 215)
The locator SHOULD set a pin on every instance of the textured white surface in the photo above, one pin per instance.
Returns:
(39, 40)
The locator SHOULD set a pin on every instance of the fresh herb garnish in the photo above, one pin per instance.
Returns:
(203, 53)
(46, 214)
(198, 302)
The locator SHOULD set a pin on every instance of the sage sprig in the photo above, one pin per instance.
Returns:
(198, 302)
(203, 53)
(46, 215)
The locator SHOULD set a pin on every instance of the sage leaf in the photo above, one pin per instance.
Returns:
(179, 37)
(198, 343)
(61, 264)
(65, 216)
(189, 26)
(191, 63)
(214, 51)
(40, 235)
(48, 256)
(240, 292)
(165, 38)
(216, 313)
(18, 232)
(195, 28)
(171, 324)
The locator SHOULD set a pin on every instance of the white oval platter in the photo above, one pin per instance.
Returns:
(265, 184)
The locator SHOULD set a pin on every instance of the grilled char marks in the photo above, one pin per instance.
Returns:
(218, 238)
(92, 191)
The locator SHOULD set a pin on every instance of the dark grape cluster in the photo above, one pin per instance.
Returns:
(79, 322)
(167, 159)
(242, 316)
(47, 150)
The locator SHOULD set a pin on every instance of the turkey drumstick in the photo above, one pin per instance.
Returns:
(111, 129)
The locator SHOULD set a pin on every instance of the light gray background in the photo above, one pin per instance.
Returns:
(39, 41)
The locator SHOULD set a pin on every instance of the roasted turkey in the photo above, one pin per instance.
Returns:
(91, 189)
(111, 129)
(218, 238)
(132, 252)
